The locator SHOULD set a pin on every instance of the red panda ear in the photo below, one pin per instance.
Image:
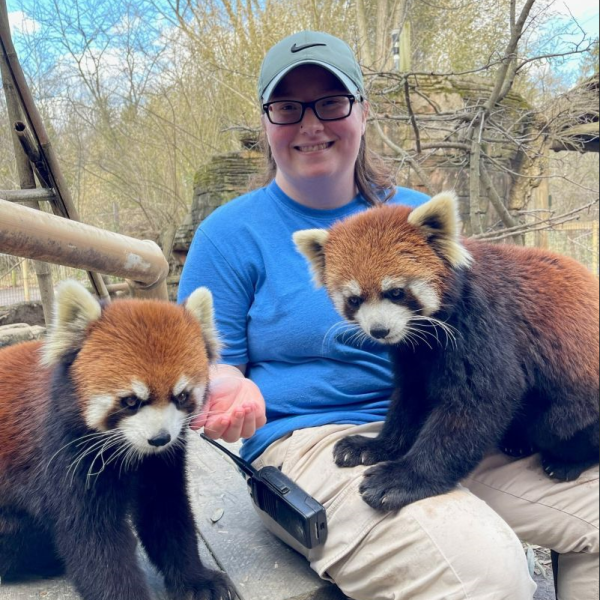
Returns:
(311, 244)
(74, 309)
(200, 304)
(439, 220)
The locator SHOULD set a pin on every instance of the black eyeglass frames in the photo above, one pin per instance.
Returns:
(328, 108)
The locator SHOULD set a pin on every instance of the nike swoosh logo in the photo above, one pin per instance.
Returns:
(300, 48)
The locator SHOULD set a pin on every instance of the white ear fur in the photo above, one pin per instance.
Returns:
(440, 220)
(311, 244)
(74, 309)
(200, 304)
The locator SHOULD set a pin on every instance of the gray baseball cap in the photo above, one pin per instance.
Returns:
(310, 48)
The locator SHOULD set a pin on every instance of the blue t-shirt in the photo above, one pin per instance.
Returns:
(304, 358)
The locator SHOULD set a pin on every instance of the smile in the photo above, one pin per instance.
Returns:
(315, 147)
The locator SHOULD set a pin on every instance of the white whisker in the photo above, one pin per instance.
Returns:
(431, 322)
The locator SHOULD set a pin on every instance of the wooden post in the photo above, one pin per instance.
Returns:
(35, 234)
(25, 275)
(595, 249)
(27, 182)
(405, 65)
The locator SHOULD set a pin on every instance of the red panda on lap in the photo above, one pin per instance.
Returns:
(93, 426)
(491, 345)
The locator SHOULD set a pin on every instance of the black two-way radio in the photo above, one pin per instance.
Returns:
(282, 500)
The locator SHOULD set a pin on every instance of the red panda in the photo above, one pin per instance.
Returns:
(491, 346)
(93, 425)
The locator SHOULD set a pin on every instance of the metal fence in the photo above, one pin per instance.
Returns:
(18, 281)
(579, 240)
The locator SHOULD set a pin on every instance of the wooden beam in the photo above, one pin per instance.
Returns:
(37, 194)
(35, 234)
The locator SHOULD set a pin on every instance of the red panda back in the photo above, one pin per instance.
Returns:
(24, 397)
(556, 293)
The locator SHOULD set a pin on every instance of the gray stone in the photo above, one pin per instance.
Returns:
(20, 332)
(31, 313)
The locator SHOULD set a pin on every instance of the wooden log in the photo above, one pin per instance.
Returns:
(35, 195)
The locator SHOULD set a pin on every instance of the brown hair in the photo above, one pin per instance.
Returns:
(372, 176)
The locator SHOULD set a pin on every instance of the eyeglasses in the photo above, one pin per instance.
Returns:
(329, 108)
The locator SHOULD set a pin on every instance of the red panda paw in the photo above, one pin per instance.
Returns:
(393, 485)
(562, 470)
(212, 585)
(359, 450)
(518, 451)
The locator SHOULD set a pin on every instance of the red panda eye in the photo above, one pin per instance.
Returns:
(182, 398)
(395, 294)
(131, 402)
(354, 301)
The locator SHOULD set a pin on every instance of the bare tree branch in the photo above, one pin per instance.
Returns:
(549, 223)
(405, 156)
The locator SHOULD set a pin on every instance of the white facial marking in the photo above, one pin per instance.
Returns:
(383, 314)
(340, 296)
(182, 384)
(98, 409)
(199, 392)
(427, 296)
(148, 422)
(140, 389)
(351, 289)
(339, 301)
(390, 283)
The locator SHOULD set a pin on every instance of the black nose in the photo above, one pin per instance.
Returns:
(379, 333)
(162, 438)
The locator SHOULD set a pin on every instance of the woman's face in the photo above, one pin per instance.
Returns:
(314, 150)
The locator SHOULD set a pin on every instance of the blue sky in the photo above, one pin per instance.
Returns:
(586, 13)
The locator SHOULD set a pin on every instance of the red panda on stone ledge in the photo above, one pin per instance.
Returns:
(93, 426)
(491, 346)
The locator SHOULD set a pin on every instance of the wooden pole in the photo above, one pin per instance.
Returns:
(595, 249)
(27, 182)
(25, 275)
(64, 203)
(35, 234)
(39, 194)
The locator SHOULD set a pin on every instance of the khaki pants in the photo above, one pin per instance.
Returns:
(457, 546)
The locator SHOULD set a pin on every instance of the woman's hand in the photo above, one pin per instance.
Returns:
(235, 407)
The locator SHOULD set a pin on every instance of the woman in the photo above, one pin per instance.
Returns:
(288, 358)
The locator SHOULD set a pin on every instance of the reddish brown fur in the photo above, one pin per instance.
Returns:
(520, 371)
(378, 243)
(58, 511)
(21, 378)
(115, 349)
(114, 353)
(547, 288)
(556, 292)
